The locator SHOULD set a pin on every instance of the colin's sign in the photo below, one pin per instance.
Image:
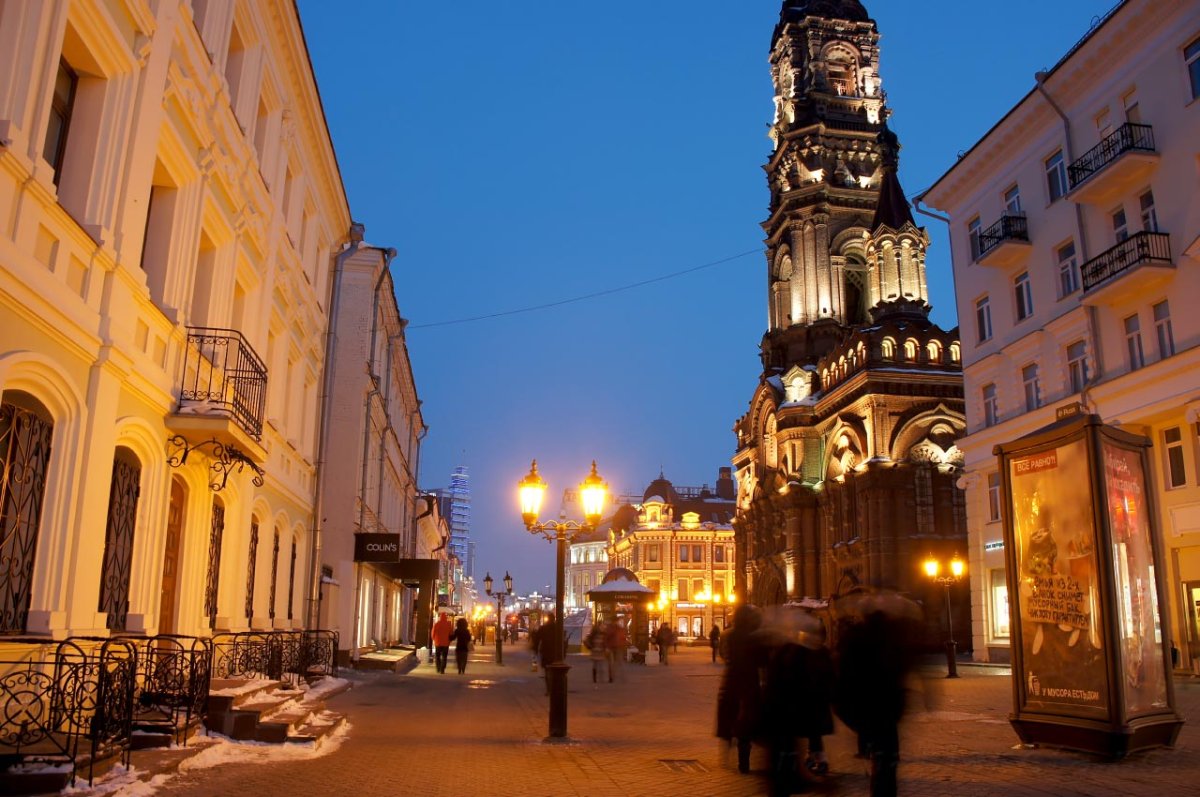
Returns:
(377, 547)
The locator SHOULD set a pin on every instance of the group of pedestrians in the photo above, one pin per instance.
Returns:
(607, 644)
(783, 683)
(444, 632)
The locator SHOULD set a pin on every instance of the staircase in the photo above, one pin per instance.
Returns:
(267, 711)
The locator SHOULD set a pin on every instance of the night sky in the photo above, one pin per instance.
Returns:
(524, 152)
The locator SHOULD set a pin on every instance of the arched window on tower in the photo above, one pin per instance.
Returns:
(910, 350)
(955, 353)
(934, 350)
(888, 349)
(841, 69)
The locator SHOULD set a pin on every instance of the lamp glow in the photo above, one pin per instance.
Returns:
(931, 567)
(531, 490)
(957, 566)
(593, 491)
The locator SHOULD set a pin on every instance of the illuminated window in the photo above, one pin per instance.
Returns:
(1023, 290)
(698, 553)
(1068, 270)
(683, 553)
(955, 353)
(1077, 367)
(652, 552)
(681, 587)
(1162, 329)
(999, 601)
(1056, 176)
(889, 349)
(719, 554)
(983, 319)
(1133, 342)
(1176, 468)
(934, 349)
(1032, 385)
(1191, 57)
(993, 497)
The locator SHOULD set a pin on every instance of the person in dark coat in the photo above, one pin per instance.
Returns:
(461, 637)
(874, 660)
(549, 647)
(714, 640)
(663, 637)
(796, 705)
(739, 699)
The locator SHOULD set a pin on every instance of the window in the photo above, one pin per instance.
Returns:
(1133, 342)
(697, 586)
(1024, 294)
(993, 489)
(698, 553)
(1033, 390)
(1000, 610)
(118, 538)
(1056, 176)
(1149, 217)
(1191, 57)
(973, 231)
(1120, 225)
(719, 554)
(1077, 367)
(719, 587)
(26, 430)
(652, 552)
(1068, 270)
(983, 319)
(1012, 201)
(1176, 470)
(681, 593)
(1133, 113)
(683, 553)
(1162, 329)
(61, 106)
(991, 407)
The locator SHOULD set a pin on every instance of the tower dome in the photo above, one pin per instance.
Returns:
(851, 10)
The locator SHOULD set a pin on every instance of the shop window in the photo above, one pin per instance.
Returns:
(999, 605)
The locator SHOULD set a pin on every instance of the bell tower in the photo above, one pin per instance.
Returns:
(827, 174)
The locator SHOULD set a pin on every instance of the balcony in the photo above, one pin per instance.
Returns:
(1005, 243)
(1140, 262)
(1120, 163)
(224, 391)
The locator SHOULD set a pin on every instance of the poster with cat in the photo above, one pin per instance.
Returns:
(1058, 591)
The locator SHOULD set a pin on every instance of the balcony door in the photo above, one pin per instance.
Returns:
(170, 569)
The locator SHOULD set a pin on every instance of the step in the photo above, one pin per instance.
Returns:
(34, 777)
(320, 725)
(225, 693)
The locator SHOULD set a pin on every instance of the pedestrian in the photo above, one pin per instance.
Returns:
(441, 641)
(616, 645)
(739, 698)
(797, 692)
(714, 640)
(462, 644)
(549, 646)
(874, 659)
(597, 652)
(663, 637)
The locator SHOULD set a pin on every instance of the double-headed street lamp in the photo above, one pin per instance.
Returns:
(532, 490)
(957, 569)
(724, 601)
(499, 596)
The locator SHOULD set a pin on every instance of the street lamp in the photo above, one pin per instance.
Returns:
(532, 490)
(958, 569)
(499, 596)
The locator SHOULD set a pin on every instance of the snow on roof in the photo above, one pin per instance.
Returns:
(621, 585)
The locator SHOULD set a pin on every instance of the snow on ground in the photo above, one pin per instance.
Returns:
(218, 751)
(325, 686)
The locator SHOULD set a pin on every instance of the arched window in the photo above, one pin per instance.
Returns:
(910, 350)
(212, 582)
(118, 537)
(251, 567)
(274, 577)
(26, 431)
(889, 349)
(934, 350)
(292, 581)
(955, 353)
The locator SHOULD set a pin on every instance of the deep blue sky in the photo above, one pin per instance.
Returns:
(523, 152)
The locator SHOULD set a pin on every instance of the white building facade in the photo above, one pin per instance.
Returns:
(169, 199)
(1075, 232)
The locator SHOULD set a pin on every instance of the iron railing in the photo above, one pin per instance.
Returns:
(275, 655)
(1139, 248)
(67, 703)
(223, 375)
(172, 682)
(1126, 138)
(1010, 227)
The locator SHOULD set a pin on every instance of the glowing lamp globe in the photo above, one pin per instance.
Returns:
(531, 490)
(593, 492)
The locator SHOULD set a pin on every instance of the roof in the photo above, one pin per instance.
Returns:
(893, 210)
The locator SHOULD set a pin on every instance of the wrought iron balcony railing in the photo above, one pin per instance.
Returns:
(1010, 227)
(223, 375)
(1127, 138)
(1139, 248)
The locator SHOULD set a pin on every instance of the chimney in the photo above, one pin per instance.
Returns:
(725, 486)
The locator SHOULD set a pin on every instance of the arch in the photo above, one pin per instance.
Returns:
(934, 350)
(888, 349)
(846, 449)
(916, 425)
(955, 352)
(910, 350)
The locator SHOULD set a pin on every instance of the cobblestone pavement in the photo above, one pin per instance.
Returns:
(651, 734)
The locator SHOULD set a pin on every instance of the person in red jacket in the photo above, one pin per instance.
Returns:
(441, 640)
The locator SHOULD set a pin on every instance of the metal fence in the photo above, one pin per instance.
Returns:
(274, 655)
(1010, 227)
(69, 702)
(1141, 247)
(172, 682)
(1126, 138)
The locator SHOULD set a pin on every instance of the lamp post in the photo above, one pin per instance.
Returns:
(958, 569)
(499, 596)
(531, 490)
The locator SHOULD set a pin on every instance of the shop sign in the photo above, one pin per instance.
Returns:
(377, 547)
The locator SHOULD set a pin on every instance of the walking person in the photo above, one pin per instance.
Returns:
(616, 644)
(441, 641)
(739, 699)
(714, 640)
(663, 637)
(796, 707)
(462, 644)
(597, 652)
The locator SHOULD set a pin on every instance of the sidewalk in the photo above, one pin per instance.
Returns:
(651, 734)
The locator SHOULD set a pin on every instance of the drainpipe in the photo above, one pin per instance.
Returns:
(1081, 234)
(354, 240)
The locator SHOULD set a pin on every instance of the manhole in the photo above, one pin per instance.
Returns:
(682, 764)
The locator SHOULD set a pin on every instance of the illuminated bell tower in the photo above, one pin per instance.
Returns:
(828, 172)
